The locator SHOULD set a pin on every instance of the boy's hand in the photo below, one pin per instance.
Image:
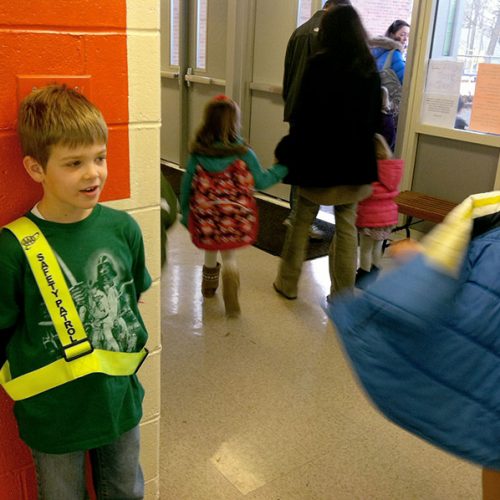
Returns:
(404, 250)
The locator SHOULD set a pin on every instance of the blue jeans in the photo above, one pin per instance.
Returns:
(116, 471)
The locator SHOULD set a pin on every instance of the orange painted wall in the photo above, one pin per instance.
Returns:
(63, 37)
(56, 37)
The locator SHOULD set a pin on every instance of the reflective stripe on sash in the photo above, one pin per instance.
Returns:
(61, 371)
(80, 358)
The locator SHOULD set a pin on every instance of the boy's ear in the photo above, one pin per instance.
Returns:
(34, 169)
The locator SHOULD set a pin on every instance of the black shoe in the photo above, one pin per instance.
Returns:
(361, 274)
(374, 272)
(316, 233)
(283, 294)
(365, 278)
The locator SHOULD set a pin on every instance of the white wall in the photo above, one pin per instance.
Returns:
(143, 44)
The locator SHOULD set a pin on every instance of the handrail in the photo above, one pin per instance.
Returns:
(266, 87)
(205, 80)
(172, 75)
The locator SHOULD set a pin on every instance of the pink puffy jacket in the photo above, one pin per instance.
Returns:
(380, 209)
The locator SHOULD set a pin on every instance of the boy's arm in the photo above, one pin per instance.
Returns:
(264, 178)
(141, 276)
(12, 265)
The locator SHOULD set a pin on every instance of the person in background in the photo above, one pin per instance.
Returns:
(329, 150)
(388, 53)
(101, 254)
(378, 214)
(382, 46)
(302, 44)
(399, 30)
(217, 196)
(460, 121)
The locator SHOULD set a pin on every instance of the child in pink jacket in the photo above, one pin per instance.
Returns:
(378, 214)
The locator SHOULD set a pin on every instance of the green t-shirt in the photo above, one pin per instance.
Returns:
(102, 259)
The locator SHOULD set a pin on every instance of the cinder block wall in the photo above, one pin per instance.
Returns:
(116, 42)
(143, 48)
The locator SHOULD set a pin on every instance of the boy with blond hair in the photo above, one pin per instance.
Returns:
(73, 398)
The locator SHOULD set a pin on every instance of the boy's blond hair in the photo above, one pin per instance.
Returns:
(57, 114)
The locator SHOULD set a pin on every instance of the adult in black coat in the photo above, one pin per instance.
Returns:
(301, 46)
(330, 151)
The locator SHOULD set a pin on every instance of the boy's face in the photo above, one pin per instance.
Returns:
(72, 181)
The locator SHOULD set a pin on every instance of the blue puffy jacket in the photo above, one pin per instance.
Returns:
(380, 47)
(425, 339)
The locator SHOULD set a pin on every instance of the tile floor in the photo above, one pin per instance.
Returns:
(265, 407)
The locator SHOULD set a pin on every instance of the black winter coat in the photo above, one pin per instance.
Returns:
(331, 138)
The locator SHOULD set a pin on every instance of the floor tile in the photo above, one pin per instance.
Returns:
(266, 407)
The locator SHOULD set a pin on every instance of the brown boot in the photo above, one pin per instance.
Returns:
(210, 280)
(230, 286)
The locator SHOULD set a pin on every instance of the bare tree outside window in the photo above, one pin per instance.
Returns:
(480, 33)
(467, 31)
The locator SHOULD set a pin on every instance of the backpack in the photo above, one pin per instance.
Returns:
(390, 81)
(222, 208)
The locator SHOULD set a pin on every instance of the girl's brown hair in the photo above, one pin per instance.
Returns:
(218, 134)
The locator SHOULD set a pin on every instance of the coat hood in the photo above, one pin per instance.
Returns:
(384, 42)
(390, 173)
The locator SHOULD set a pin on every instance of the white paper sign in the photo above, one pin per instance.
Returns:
(439, 110)
(442, 91)
(444, 77)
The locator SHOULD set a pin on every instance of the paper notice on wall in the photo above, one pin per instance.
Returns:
(485, 115)
(442, 91)
(439, 110)
(444, 77)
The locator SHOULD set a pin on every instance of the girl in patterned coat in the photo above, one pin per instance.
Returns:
(378, 214)
(217, 196)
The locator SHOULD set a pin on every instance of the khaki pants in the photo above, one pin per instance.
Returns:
(343, 249)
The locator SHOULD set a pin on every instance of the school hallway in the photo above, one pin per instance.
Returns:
(265, 407)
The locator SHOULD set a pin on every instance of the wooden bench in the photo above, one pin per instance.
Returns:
(421, 207)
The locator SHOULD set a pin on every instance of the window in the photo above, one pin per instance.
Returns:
(304, 11)
(468, 32)
(201, 34)
(174, 32)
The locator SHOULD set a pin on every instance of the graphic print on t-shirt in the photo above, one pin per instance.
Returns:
(103, 304)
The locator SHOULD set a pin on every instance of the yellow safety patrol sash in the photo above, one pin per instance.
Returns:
(79, 357)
